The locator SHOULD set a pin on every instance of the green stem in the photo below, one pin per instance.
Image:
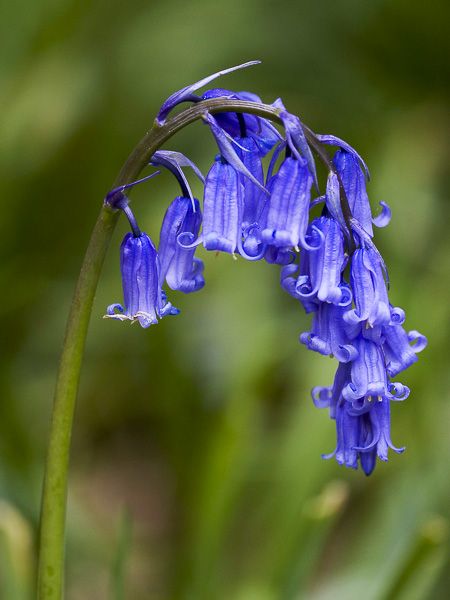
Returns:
(53, 510)
(51, 547)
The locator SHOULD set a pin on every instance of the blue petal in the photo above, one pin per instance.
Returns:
(287, 214)
(254, 200)
(419, 342)
(369, 290)
(222, 208)
(354, 184)
(400, 354)
(397, 316)
(321, 396)
(178, 266)
(368, 375)
(384, 218)
(327, 261)
(333, 200)
(143, 297)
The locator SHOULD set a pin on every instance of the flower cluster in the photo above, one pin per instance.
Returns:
(328, 260)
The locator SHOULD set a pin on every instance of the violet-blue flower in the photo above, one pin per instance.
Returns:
(327, 260)
(401, 347)
(377, 438)
(362, 433)
(179, 267)
(369, 289)
(368, 379)
(254, 200)
(143, 298)
(354, 182)
(286, 217)
(296, 281)
(352, 321)
(328, 335)
(222, 208)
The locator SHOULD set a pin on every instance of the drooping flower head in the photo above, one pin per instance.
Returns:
(287, 213)
(144, 300)
(222, 208)
(179, 267)
(330, 263)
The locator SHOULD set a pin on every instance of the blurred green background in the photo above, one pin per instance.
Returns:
(196, 469)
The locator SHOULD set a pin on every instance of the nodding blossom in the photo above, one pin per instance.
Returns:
(144, 300)
(324, 246)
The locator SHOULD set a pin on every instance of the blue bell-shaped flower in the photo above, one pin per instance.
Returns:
(144, 299)
(181, 270)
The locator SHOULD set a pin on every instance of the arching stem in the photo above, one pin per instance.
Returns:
(53, 509)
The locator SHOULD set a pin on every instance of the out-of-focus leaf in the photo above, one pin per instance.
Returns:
(16, 554)
(428, 555)
(121, 557)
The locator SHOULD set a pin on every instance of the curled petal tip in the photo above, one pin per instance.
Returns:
(384, 218)
(418, 341)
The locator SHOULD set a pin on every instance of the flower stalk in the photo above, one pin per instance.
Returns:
(54, 496)
(260, 220)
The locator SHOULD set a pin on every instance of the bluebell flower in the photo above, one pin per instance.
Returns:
(328, 334)
(296, 281)
(222, 208)
(256, 218)
(363, 437)
(143, 298)
(369, 289)
(400, 347)
(348, 427)
(368, 380)
(286, 216)
(327, 261)
(354, 182)
(254, 199)
(179, 267)
(363, 433)
(321, 266)
(348, 437)
(376, 438)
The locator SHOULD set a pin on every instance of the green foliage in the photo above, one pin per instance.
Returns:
(203, 426)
